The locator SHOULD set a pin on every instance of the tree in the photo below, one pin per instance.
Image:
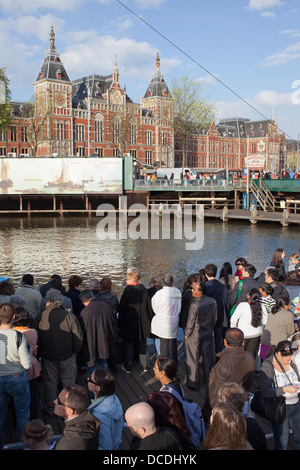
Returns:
(35, 118)
(5, 106)
(124, 130)
(192, 111)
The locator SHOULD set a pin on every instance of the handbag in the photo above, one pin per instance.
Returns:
(272, 409)
(238, 296)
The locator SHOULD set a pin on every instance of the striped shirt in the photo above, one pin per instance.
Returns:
(268, 302)
(13, 360)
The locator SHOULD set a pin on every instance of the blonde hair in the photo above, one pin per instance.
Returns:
(133, 276)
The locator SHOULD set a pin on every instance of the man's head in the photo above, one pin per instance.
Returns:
(27, 280)
(86, 296)
(265, 289)
(6, 314)
(249, 270)
(233, 394)
(53, 296)
(168, 280)
(210, 271)
(140, 420)
(234, 338)
(105, 284)
(72, 401)
(154, 281)
(75, 282)
(56, 283)
(94, 284)
(271, 275)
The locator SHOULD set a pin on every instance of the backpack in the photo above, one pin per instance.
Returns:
(193, 415)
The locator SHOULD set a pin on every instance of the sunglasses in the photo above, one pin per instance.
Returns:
(91, 381)
(287, 350)
(63, 404)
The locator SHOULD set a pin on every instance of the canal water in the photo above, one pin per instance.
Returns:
(69, 245)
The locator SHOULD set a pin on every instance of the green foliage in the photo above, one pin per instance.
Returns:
(5, 106)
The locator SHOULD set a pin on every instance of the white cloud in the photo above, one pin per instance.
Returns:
(146, 4)
(207, 79)
(87, 53)
(286, 55)
(268, 14)
(264, 102)
(18, 7)
(291, 32)
(272, 98)
(264, 4)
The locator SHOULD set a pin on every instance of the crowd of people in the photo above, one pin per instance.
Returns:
(241, 324)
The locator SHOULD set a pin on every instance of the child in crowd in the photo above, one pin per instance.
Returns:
(37, 435)
(293, 260)
(266, 291)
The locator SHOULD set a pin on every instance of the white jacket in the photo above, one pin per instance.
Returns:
(166, 305)
(242, 317)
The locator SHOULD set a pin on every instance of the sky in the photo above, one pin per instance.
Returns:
(245, 54)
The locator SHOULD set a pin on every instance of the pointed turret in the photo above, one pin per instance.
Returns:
(52, 67)
(116, 71)
(157, 86)
(52, 39)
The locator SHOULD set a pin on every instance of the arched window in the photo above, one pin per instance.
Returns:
(116, 131)
(99, 119)
(60, 130)
(133, 132)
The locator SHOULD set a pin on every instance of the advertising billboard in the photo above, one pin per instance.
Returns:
(72, 175)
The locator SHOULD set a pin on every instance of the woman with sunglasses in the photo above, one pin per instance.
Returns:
(107, 408)
(239, 263)
(278, 376)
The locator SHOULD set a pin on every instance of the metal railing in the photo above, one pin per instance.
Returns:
(193, 185)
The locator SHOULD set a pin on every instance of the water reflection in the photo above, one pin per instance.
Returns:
(69, 245)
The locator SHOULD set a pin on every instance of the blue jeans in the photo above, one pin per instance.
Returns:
(18, 388)
(281, 431)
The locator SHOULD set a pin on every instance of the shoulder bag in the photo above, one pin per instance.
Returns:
(272, 409)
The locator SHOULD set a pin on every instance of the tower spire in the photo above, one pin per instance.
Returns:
(52, 39)
(157, 62)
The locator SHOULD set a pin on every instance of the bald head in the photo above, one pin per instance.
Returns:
(140, 419)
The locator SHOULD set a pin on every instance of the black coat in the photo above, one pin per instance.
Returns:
(74, 294)
(98, 323)
(248, 283)
(219, 292)
(135, 313)
(109, 298)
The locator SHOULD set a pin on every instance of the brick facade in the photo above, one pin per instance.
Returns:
(95, 116)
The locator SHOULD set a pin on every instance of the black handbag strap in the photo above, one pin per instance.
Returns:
(281, 367)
